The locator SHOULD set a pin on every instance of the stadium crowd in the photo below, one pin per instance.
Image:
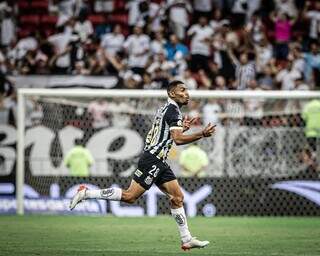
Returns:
(209, 44)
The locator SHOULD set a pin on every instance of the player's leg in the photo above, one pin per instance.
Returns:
(129, 195)
(173, 191)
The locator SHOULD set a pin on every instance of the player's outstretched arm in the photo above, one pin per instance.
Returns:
(180, 139)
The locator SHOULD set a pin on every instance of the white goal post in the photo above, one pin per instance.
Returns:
(101, 93)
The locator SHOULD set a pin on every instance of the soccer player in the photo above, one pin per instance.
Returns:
(167, 127)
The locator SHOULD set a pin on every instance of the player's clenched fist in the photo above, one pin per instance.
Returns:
(208, 130)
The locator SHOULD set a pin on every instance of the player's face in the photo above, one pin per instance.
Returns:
(181, 94)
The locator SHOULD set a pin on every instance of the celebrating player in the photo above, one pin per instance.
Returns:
(167, 127)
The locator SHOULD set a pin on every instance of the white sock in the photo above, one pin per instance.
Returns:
(107, 194)
(180, 217)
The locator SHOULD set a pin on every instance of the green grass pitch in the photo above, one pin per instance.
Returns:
(91, 236)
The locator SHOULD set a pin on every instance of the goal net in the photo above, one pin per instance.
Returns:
(261, 160)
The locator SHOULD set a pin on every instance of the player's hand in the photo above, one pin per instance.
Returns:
(187, 122)
(208, 130)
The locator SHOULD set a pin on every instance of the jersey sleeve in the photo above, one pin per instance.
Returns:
(173, 118)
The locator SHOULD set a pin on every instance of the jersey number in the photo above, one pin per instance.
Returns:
(152, 135)
(154, 171)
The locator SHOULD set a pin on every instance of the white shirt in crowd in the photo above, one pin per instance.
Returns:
(314, 16)
(24, 45)
(112, 43)
(103, 6)
(84, 29)
(190, 82)
(287, 78)
(254, 107)
(211, 113)
(60, 42)
(134, 12)
(203, 5)
(264, 55)
(244, 73)
(299, 64)
(198, 46)
(137, 47)
(179, 14)
(98, 110)
(8, 32)
(164, 66)
(156, 12)
(287, 7)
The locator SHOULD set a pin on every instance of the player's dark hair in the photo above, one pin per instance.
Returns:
(173, 84)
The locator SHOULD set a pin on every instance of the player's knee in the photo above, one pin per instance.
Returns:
(177, 200)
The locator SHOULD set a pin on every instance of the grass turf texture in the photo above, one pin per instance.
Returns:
(90, 236)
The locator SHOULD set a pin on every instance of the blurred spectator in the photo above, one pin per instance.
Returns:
(187, 78)
(194, 112)
(245, 69)
(211, 111)
(65, 9)
(217, 22)
(98, 110)
(314, 16)
(201, 34)
(61, 61)
(311, 170)
(78, 160)
(296, 55)
(134, 12)
(287, 7)
(83, 26)
(253, 107)
(300, 84)
(158, 43)
(255, 28)
(161, 63)
(80, 68)
(112, 42)
(287, 76)
(283, 30)
(220, 83)
(24, 45)
(312, 67)
(193, 160)
(104, 5)
(263, 51)
(265, 79)
(137, 47)
(8, 29)
(6, 86)
(234, 110)
(202, 8)
(176, 51)
(178, 16)
(239, 12)
(311, 116)
(133, 81)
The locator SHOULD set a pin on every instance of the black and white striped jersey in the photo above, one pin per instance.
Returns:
(158, 141)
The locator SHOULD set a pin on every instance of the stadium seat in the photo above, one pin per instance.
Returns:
(40, 6)
(29, 20)
(119, 6)
(118, 19)
(23, 5)
(49, 20)
(97, 19)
